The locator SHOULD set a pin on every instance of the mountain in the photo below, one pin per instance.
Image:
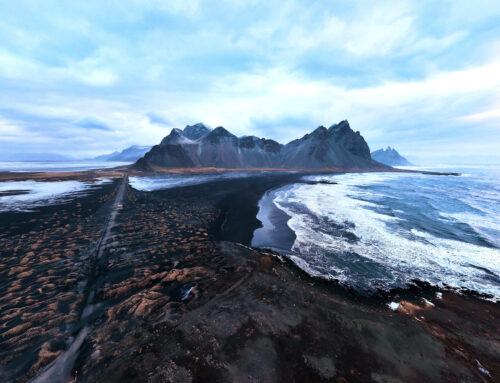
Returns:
(338, 146)
(131, 154)
(104, 157)
(390, 156)
(198, 146)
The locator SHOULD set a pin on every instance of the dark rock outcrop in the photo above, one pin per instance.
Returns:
(143, 165)
(391, 157)
(198, 146)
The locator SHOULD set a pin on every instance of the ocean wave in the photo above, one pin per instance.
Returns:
(383, 230)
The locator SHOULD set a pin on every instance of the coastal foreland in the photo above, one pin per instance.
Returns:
(125, 285)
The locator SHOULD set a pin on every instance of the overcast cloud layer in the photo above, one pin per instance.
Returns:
(83, 78)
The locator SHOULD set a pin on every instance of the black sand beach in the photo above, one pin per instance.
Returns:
(175, 294)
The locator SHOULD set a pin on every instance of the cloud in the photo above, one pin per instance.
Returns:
(93, 77)
(157, 119)
(488, 115)
(86, 72)
(89, 123)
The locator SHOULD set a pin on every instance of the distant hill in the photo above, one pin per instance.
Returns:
(131, 154)
(391, 157)
(199, 146)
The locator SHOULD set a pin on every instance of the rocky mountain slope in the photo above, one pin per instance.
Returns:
(198, 146)
(390, 156)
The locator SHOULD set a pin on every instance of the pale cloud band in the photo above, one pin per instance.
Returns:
(89, 77)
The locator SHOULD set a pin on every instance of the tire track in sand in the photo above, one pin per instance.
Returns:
(59, 370)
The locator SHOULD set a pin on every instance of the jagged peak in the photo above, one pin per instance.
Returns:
(319, 130)
(342, 124)
(198, 125)
(176, 136)
(221, 132)
(253, 138)
(196, 131)
(176, 132)
(218, 134)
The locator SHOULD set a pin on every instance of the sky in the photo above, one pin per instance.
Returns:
(82, 78)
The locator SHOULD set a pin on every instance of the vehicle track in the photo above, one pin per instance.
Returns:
(60, 369)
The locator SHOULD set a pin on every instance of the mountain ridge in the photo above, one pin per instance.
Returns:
(199, 146)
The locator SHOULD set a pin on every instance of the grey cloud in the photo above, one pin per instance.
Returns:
(158, 120)
(90, 123)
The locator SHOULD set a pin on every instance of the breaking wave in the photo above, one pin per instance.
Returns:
(384, 230)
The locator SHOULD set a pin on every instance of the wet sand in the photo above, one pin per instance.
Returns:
(177, 295)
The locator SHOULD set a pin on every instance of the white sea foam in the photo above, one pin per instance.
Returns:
(387, 251)
(41, 193)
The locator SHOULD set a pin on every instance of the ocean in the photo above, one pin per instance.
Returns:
(375, 231)
(56, 166)
(368, 231)
(28, 195)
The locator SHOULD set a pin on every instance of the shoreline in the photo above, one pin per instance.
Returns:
(238, 223)
(119, 171)
(238, 219)
(279, 239)
(177, 292)
(274, 233)
(162, 171)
